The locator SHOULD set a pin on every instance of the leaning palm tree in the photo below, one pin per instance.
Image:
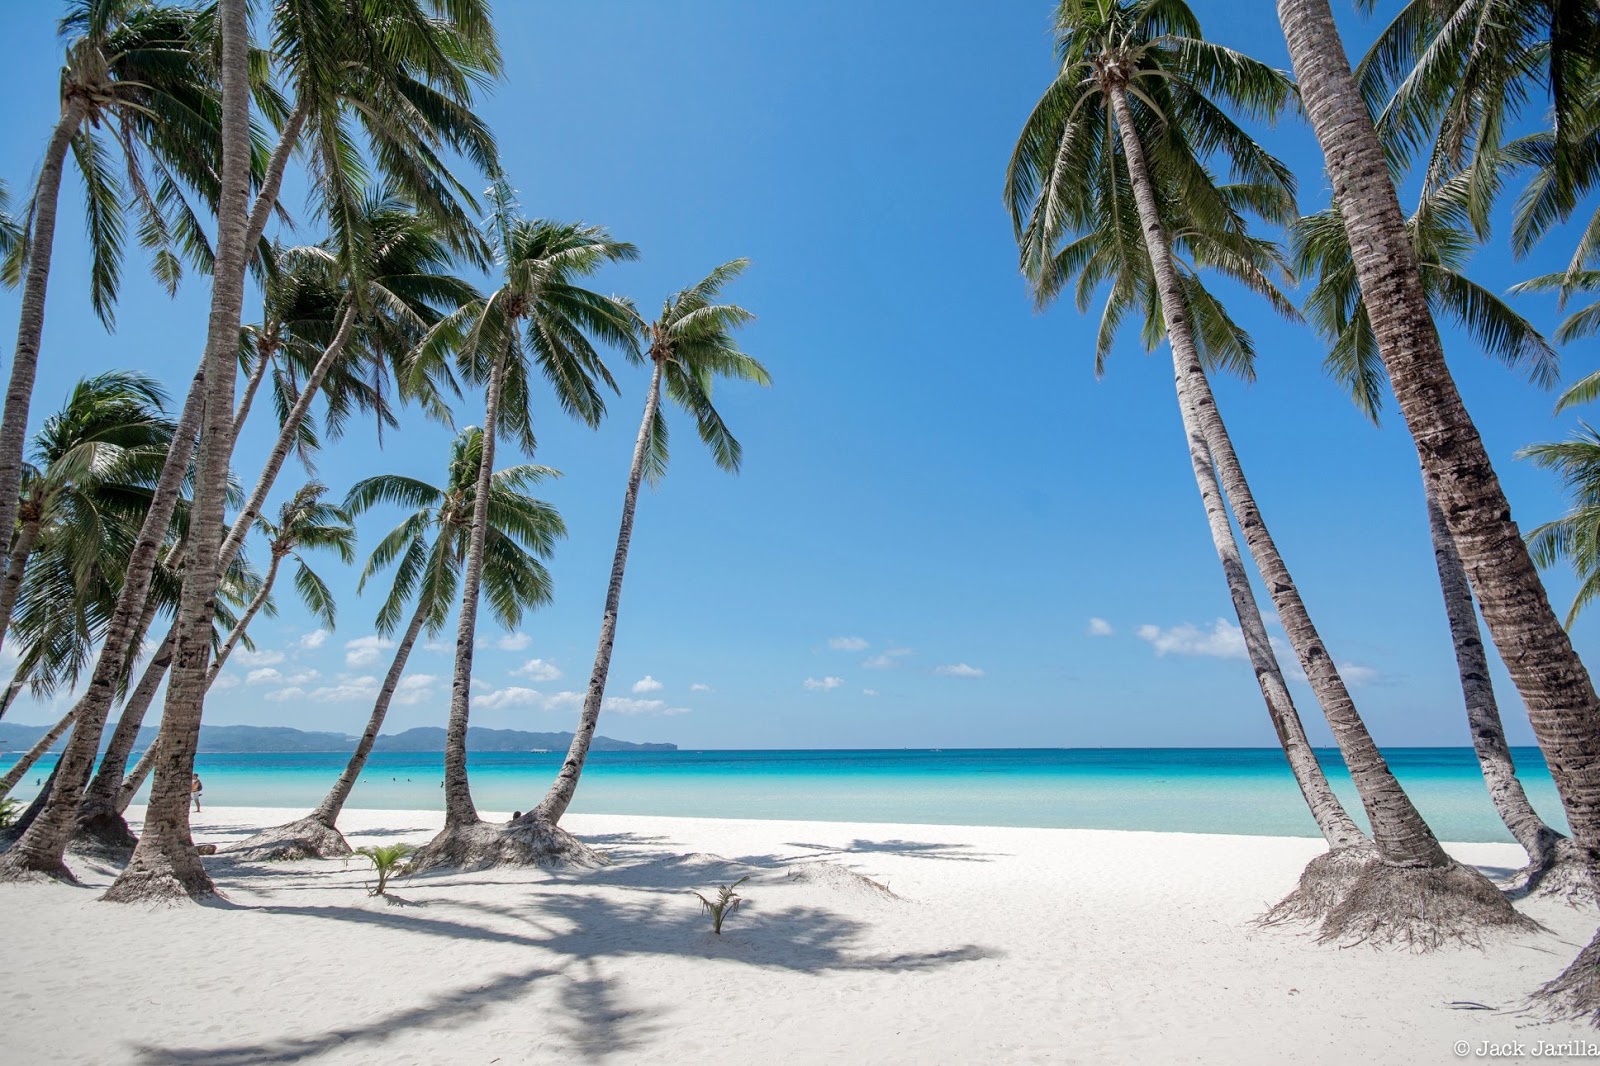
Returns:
(541, 318)
(98, 454)
(1139, 90)
(1112, 255)
(1553, 682)
(428, 550)
(135, 74)
(688, 347)
(1443, 239)
(305, 522)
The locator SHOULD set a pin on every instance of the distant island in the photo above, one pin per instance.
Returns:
(243, 739)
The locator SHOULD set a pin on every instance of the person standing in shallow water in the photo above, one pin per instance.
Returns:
(195, 788)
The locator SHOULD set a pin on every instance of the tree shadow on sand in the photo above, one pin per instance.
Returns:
(915, 849)
(599, 1028)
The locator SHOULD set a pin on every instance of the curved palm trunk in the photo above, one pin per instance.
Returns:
(34, 754)
(286, 438)
(458, 807)
(1555, 686)
(1483, 711)
(1402, 837)
(11, 584)
(327, 811)
(565, 786)
(243, 623)
(98, 816)
(20, 677)
(1337, 827)
(248, 398)
(30, 321)
(135, 780)
(165, 864)
(41, 850)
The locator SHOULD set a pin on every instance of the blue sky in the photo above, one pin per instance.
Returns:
(947, 532)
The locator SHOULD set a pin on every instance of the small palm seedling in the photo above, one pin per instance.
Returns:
(387, 860)
(9, 808)
(727, 902)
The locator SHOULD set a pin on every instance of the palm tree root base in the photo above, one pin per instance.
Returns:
(306, 838)
(528, 841)
(1418, 908)
(1325, 881)
(103, 831)
(1560, 874)
(168, 872)
(17, 865)
(1576, 993)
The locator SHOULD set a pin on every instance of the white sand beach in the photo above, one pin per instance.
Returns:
(996, 945)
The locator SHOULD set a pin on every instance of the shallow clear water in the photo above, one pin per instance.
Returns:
(1200, 790)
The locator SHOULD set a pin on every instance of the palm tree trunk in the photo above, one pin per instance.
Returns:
(141, 770)
(243, 623)
(98, 817)
(34, 754)
(11, 584)
(30, 321)
(24, 671)
(1483, 711)
(247, 399)
(286, 438)
(1337, 827)
(327, 812)
(165, 864)
(1402, 837)
(458, 806)
(1555, 686)
(272, 180)
(565, 786)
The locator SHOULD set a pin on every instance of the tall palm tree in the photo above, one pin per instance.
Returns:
(138, 71)
(1138, 88)
(305, 521)
(1111, 253)
(1443, 238)
(101, 451)
(539, 319)
(1553, 682)
(428, 549)
(688, 346)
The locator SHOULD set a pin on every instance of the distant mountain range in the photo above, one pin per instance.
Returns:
(220, 739)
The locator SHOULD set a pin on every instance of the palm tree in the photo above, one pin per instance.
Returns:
(540, 314)
(1443, 240)
(139, 71)
(1556, 688)
(1138, 89)
(428, 549)
(688, 346)
(305, 521)
(101, 451)
(1575, 536)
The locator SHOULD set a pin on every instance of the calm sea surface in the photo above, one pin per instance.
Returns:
(1199, 790)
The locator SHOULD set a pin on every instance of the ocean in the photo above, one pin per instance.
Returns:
(1190, 790)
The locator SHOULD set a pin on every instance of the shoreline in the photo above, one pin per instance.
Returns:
(858, 941)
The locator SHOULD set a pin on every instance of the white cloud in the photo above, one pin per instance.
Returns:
(513, 642)
(227, 681)
(267, 675)
(1099, 627)
(414, 689)
(826, 684)
(286, 695)
(869, 692)
(313, 640)
(646, 684)
(301, 677)
(627, 705)
(259, 657)
(957, 670)
(848, 644)
(1223, 640)
(886, 659)
(514, 696)
(1356, 674)
(701, 686)
(364, 651)
(538, 670)
(436, 646)
(346, 688)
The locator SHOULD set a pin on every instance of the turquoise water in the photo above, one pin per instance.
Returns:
(1198, 790)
